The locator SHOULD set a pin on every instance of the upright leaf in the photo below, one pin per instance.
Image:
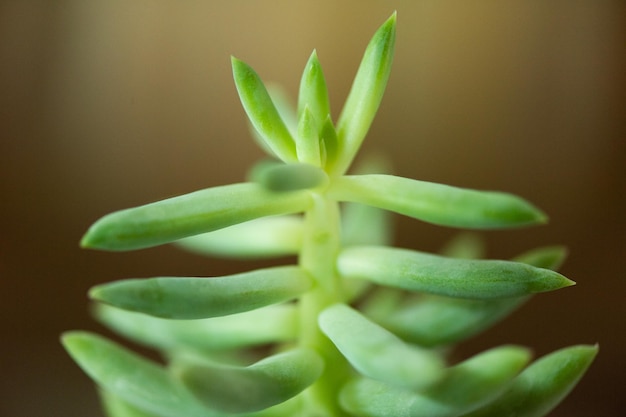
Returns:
(366, 93)
(313, 92)
(308, 139)
(262, 113)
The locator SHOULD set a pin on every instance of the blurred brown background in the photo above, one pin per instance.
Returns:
(110, 104)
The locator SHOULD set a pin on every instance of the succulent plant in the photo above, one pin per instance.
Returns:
(356, 327)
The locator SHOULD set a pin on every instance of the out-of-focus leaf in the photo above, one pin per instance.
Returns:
(549, 257)
(199, 298)
(266, 237)
(465, 246)
(329, 143)
(132, 378)
(116, 407)
(434, 321)
(262, 113)
(271, 324)
(464, 278)
(366, 94)
(281, 178)
(190, 214)
(266, 383)
(377, 353)
(541, 386)
(463, 388)
(437, 203)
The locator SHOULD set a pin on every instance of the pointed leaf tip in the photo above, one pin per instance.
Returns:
(365, 94)
(463, 278)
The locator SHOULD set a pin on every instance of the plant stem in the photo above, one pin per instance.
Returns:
(318, 256)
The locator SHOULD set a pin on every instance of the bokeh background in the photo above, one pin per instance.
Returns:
(110, 104)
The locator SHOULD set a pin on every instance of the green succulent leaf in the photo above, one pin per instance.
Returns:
(465, 245)
(541, 386)
(377, 353)
(329, 143)
(266, 383)
(437, 203)
(199, 298)
(430, 320)
(272, 324)
(313, 91)
(262, 113)
(281, 178)
(435, 321)
(266, 237)
(132, 378)
(114, 406)
(286, 110)
(308, 139)
(463, 387)
(549, 257)
(366, 94)
(199, 212)
(463, 278)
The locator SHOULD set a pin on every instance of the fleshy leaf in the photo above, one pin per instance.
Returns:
(366, 94)
(308, 139)
(114, 406)
(266, 237)
(377, 353)
(281, 178)
(464, 278)
(266, 383)
(465, 245)
(463, 387)
(541, 386)
(199, 298)
(132, 378)
(329, 143)
(549, 257)
(437, 203)
(262, 113)
(190, 214)
(435, 321)
(313, 92)
(431, 321)
(272, 324)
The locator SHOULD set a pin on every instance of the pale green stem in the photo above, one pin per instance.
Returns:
(318, 256)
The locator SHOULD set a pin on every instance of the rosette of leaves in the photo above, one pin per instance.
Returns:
(355, 327)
